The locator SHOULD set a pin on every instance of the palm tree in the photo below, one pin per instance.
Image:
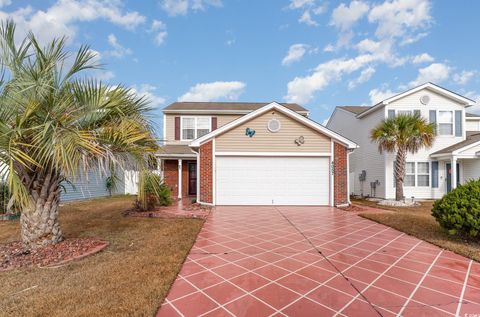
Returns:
(401, 135)
(56, 122)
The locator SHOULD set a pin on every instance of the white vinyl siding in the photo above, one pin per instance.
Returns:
(366, 157)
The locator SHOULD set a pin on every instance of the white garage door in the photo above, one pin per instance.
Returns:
(272, 180)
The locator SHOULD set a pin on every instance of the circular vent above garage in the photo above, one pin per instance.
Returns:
(425, 99)
(273, 125)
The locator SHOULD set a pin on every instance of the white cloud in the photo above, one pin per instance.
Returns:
(309, 8)
(4, 3)
(61, 18)
(295, 53)
(117, 50)
(435, 73)
(148, 92)
(398, 18)
(160, 29)
(343, 17)
(229, 90)
(422, 58)
(302, 89)
(377, 95)
(181, 7)
(365, 76)
(463, 77)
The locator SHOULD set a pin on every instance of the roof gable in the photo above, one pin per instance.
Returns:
(294, 115)
(430, 86)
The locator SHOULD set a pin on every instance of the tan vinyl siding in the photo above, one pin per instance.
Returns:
(170, 124)
(235, 140)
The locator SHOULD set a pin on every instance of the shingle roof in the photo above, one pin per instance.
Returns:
(355, 109)
(232, 106)
(472, 137)
(472, 115)
(175, 149)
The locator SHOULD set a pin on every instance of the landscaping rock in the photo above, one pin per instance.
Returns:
(394, 203)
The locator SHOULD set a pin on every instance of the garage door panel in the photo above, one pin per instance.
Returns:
(272, 180)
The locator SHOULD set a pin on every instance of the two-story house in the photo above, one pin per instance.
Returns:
(453, 159)
(233, 153)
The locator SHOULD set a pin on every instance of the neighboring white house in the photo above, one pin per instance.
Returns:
(454, 157)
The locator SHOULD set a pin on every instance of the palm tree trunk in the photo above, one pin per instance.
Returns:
(399, 170)
(39, 222)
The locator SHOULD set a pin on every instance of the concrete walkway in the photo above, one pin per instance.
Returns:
(317, 261)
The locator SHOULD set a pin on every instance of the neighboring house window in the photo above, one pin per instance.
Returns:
(423, 174)
(195, 127)
(410, 174)
(445, 122)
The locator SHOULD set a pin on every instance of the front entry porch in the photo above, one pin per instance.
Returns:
(180, 175)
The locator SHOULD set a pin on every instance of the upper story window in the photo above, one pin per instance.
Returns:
(445, 122)
(195, 127)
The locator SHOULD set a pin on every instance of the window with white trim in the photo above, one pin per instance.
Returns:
(423, 174)
(195, 127)
(445, 122)
(409, 174)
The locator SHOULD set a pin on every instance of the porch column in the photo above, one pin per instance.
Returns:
(179, 179)
(454, 172)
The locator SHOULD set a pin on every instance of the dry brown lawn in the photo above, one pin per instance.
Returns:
(418, 221)
(130, 277)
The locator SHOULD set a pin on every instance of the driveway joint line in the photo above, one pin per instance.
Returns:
(460, 301)
(330, 262)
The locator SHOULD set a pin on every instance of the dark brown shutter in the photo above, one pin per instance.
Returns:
(214, 123)
(177, 128)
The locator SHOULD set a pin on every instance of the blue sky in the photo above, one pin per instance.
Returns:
(320, 54)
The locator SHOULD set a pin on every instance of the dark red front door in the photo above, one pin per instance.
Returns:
(192, 178)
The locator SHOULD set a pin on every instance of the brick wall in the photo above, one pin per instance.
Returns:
(206, 173)
(340, 175)
(170, 170)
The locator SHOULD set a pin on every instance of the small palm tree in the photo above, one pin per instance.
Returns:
(54, 123)
(401, 135)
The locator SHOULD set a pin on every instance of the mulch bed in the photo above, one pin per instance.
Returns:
(13, 255)
(187, 211)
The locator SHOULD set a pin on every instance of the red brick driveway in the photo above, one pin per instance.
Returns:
(317, 261)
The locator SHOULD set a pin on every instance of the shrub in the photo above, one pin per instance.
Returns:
(152, 192)
(459, 211)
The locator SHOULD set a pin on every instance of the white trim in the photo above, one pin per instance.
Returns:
(176, 155)
(442, 91)
(214, 174)
(195, 118)
(310, 123)
(198, 177)
(331, 172)
(272, 154)
(164, 137)
(179, 187)
(453, 178)
(348, 177)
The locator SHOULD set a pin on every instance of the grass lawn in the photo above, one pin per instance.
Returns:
(130, 277)
(418, 221)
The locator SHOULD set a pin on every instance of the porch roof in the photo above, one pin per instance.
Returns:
(176, 150)
(472, 138)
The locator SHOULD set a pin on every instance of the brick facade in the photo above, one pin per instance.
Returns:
(170, 172)
(206, 172)
(340, 186)
(170, 169)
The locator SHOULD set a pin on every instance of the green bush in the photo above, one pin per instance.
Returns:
(152, 192)
(459, 211)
